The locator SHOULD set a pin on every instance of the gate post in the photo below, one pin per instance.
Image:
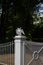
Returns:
(19, 49)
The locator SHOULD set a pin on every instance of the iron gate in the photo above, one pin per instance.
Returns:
(33, 53)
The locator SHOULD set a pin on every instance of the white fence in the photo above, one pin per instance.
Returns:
(34, 55)
(28, 52)
(21, 52)
(7, 53)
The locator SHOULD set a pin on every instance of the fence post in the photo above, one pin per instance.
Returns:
(19, 50)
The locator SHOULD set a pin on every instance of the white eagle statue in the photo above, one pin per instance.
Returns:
(20, 31)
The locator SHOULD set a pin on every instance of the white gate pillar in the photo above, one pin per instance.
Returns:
(19, 50)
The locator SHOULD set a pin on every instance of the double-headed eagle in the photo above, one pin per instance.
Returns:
(20, 31)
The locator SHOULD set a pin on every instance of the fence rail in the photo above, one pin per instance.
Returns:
(7, 53)
(34, 53)
(21, 52)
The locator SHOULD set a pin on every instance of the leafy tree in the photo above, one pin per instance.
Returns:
(17, 13)
(13, 16)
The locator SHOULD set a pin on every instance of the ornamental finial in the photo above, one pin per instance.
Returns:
(19, 31)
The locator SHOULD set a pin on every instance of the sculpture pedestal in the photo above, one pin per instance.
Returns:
(19, 50)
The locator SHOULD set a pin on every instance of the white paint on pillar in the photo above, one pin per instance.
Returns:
(19, 50)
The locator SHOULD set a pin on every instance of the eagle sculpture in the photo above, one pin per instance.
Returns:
(20, 31)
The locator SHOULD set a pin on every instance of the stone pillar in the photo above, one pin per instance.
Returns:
(19, 50)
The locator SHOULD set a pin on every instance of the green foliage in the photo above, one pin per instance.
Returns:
(37, 33)
(18, 13)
